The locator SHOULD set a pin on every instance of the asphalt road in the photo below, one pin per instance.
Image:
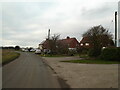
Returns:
(28, 71)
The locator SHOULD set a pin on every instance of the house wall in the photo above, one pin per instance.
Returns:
(74, 44)
(40, 46)
(85, 42)
(119, 24)
(86, 45)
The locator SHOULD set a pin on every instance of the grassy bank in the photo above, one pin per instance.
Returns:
(92, 61)
(8, 56)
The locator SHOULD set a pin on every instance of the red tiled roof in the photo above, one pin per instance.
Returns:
(85, 40)
(45, 44)
(71, 42)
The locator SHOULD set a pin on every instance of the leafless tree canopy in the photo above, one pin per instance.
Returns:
(56, 46)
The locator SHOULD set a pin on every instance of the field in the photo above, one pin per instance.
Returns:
(8, 55)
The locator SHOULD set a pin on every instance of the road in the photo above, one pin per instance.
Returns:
(28, 71)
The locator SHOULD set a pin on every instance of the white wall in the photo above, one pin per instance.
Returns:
(119, 24)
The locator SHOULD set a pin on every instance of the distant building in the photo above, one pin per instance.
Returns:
(72, 43)
(44, 45)
(87, 43)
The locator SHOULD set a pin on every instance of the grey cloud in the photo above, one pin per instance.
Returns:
(27, 23)
(104, 10)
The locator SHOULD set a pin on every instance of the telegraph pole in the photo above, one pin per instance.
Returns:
(116, 28)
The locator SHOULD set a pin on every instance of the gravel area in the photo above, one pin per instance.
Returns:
(84, 75)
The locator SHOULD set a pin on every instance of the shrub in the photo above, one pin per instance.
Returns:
(110, 54)
(82, 50)
(17, 47)
(94, 52)
(72, 52)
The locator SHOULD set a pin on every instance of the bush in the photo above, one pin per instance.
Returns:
(82, 50)
(72, 52)
(17, 47)
(94, 52)
(118, 52)
(110, 54)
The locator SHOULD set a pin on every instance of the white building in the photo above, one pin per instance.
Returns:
(119, 24)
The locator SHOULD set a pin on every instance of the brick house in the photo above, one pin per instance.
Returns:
(72, 43)
(87, 43)
(44, 45)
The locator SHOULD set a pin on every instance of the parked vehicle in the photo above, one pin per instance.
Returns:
(24, 50)
(38, 51)
(32, 50)
(47, 51)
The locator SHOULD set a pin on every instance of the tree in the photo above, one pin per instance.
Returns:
(17, 47)
(62, 48)
(53, 43)
(57, 46)
(30, 49)
(99, 37)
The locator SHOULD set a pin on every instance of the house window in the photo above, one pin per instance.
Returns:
(81, 44)
(87, 44)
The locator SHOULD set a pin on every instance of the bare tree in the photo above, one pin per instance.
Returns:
(53, 43)
(57, 46)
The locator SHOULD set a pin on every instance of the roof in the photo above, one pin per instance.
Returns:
(42, 42)
(85, 39)
(68, 41)
(71, 42)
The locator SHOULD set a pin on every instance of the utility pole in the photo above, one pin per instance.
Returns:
(116, 28)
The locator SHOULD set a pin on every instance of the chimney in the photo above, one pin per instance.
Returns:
(68, 37)
(48, 34)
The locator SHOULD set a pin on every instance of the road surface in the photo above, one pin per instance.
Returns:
(28, 71)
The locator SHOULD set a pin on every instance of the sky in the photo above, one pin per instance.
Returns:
(26, 23)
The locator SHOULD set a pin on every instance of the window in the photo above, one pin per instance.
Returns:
(87, 44)
(81, 44)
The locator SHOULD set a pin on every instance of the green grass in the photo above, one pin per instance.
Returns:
(8, 56)
(83, 56)
(92, 61)
(47, 55)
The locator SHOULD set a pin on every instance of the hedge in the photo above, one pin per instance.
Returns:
(112, 53)
(94, 52)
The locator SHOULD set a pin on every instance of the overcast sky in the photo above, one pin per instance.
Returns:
(26, 23)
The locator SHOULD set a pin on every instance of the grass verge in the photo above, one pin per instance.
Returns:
(47, 55)
(8, 56)
(92, 61)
